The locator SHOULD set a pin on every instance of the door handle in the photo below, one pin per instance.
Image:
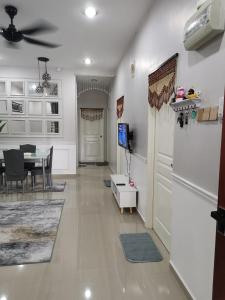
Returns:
(219, 216)
(101, 136)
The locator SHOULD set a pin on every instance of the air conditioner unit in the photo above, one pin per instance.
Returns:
(205, 24)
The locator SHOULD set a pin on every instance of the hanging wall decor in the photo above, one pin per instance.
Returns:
(162, 82)
(120, 107)
(91, 114)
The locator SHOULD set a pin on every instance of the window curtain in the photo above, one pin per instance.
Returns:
(162, 83)
(90, 114)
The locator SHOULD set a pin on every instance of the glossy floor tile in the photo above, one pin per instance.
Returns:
(88, 261)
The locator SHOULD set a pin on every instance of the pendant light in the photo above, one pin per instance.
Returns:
(39, 89)
(46, 76)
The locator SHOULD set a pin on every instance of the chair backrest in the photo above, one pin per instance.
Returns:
(27, 148)
(14, 162)
(49, 160)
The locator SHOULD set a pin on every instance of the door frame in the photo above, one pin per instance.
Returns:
(79, 134)
(219, 266)
(151, 166)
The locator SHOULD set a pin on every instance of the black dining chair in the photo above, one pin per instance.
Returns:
(14, 167)
(48, 170)
(2, 172)
(28, 148)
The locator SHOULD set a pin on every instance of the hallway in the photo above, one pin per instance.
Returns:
(88, 261)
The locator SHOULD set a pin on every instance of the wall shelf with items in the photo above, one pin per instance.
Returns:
(186, 105)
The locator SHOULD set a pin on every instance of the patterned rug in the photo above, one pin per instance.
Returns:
(57, 187)
(28, 231)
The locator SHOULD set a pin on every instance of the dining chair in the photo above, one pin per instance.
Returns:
(48, 170)
(2, 172)
(28, 148)
(14, 167)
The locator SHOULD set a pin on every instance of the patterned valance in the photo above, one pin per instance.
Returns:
(91, 114)
(162, 82)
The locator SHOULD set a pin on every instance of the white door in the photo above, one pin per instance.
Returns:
(92, 139)
(164, 137)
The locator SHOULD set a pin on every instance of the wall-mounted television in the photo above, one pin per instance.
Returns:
(124, 136)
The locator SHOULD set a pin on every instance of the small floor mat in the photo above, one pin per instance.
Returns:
(107, 183)
(140, 248)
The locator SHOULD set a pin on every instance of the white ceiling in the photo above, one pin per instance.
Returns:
(104, 39)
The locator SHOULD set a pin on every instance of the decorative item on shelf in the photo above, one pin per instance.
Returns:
(180, 94)
(192, 94)
(46, 76)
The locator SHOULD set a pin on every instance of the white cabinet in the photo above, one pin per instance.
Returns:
(126, 196)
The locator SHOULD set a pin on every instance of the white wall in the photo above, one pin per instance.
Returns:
(64, 161)
(94, 99)
(196, 148)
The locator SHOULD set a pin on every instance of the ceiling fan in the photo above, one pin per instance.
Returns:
(13, 36)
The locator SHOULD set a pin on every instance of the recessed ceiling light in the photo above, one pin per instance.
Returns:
(87, 61)
(90, 12)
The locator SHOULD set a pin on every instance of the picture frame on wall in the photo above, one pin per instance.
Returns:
(17, 88)
(53, 90)
(53, 108)
(17, 107)
(3, 88)
(31, 89)
(35, 127)
(35, 107)
(3, 106)
(17, 127)
(4, 127)
(53, 127)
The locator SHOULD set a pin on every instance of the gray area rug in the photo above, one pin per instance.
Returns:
(57, 187)
(107, 183)
(139, 247)
(28, 231)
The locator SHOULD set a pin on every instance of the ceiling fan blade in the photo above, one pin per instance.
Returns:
(40, 43)
(39, 27)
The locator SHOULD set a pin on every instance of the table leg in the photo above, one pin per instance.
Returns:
(121, 210)
(43, 173)
(131, 210)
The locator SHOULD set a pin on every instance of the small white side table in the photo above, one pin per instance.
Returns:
(126, 195)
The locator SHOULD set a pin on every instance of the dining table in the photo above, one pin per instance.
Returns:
(40, 156)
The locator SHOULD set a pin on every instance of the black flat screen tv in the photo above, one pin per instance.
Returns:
(123, 135)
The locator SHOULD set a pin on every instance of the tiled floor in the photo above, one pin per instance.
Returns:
(88, 261)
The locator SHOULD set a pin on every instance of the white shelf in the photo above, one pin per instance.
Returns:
(186, 104)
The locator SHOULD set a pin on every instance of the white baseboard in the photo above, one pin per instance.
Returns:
(182, 281)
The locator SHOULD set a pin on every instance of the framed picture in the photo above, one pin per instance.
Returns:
(53, 108)
(18, 107)
(53, 90)
(3, 90)
(17, 88)
(35, 127)
(35, 108)
(31, 89)
(53, 127)
(17, 126)
(3, 107)
(4, 127)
